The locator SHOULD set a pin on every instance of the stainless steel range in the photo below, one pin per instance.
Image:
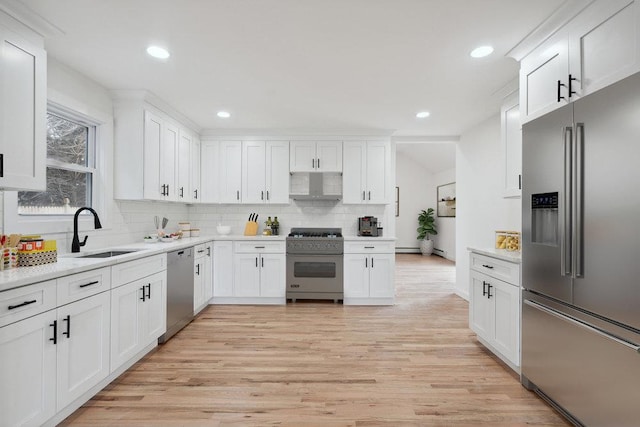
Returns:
(315, 264)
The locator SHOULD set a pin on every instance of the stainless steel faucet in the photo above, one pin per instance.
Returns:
(75, 244)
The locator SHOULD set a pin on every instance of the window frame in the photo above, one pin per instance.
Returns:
(63, 223)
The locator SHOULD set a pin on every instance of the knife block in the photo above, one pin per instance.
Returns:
(251, 229)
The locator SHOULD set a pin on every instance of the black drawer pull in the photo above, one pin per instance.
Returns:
(369, 247)
(55, 332)
(490, 267)
(489, 286)
(200, 251)
(12, 307)
(149, 291)
(68, 320)
(89, 284)
(144, 295)
(259, 247)
(484, 288)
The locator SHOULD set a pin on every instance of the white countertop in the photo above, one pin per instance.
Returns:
(502, 254)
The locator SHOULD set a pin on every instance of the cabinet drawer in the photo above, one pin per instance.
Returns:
(503, 270)
(20, 303)
(369, 247)
(134, 270)
(200, 250)
(259, 246)
(81, 285)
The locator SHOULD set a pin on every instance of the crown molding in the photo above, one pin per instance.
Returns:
(29, 18)
(558, 19)
(421, 139)
(302, 133)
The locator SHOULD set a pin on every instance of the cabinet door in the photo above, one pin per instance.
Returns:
(356, 276)
(253, 172)
(511, 135)
(198, 284)
(277, 172)
(125, 322)
(23, 108)
(210, 171)
(168, 151)
(353, 177)
(272, 275)
(208, 272)
(247, 275)
(540, 72)
(302, 156)
(196, 192)
(381, 276)
(222, 269)
(506, 319)
(329, 156)
(153, 133)
(378, 161)
(28, 371)
(604, 45)
(230, 171)
(481, 307)
(183, 162)
(83, 346)
(153, 318)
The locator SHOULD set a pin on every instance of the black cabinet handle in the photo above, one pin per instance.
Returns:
(149, 291)
(313, 163)
(144, 295)
(256, 261)
(181, 191)
(484, 288)
(259, 247)
(489, 291)
(1, 165)
(371, 262)
(68, 320)
(208, 250)
(237, 194)
(89, 284)
(196, 194)
(520, 182)
(267, 194)
(55, 332)
(162, 191)
(200, 251)
(262, 195)
(369, 195)
(366, 262)
(167, 190)
(369, 247)
(262, 261)
(490, 267)
(13, 307)
(571, 91)
(560, 86)
(363, 194)
(198, 269)
(318, 163)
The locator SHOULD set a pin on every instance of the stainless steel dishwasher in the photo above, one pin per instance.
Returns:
(179, 291)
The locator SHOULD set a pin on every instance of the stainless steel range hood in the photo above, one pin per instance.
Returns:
(318, 189)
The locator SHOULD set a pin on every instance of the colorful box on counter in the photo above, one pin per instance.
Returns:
(9, 258)
(36, 251)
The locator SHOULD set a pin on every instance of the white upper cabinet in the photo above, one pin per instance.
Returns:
(23, 107)
(265, 172)
(210, 171)
(365, 180)
(253, 172)
(595, 49)
(315, 156)
(511, 134)
(196, 191)
(230, 171)
(277, 172)
(155, 157)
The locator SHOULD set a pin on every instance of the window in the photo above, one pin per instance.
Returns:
(70, 167)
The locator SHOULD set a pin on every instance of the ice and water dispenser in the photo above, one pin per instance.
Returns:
(544, 219)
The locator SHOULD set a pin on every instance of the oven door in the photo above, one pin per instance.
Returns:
(316, 274)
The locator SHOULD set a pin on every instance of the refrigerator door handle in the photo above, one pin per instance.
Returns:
(565, 239)
(580, 324)
(578, 189)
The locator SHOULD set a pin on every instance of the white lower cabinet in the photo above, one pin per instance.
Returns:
(28, 371)
(83, 347)
(138, 316)
(368, 278)
(202, 276)
(222, 270)
(494, 310)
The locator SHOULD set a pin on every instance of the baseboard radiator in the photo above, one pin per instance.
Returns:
(406, 250)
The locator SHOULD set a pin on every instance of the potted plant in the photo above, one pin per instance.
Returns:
(426, 226)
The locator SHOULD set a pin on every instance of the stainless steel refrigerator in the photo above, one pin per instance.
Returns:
(581, 257)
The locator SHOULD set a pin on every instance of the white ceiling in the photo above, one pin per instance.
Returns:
(302, 64)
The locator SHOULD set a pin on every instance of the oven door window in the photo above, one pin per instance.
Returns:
(314, 269)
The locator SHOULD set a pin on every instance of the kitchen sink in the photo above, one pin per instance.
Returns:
(108, 254)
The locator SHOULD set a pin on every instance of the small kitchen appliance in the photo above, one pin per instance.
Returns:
(368, 226)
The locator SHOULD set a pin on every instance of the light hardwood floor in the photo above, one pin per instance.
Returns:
(412, 364)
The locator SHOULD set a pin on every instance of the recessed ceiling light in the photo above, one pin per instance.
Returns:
(481, 52)
(158, 52)
(224, 114)
(423, 114)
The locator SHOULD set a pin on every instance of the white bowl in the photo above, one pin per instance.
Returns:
(223, 229)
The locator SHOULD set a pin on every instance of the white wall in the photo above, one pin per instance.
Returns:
(445, 240)
(417, 192)
(481, 209)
